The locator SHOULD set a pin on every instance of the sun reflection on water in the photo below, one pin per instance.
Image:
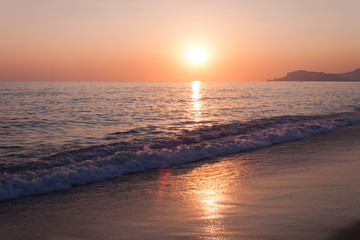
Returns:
(196, 102)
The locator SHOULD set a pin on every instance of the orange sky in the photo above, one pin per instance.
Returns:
(147, 40)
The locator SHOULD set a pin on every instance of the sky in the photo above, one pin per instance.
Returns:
(144, 40)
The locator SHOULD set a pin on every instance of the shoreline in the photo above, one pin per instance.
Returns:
(305, 189)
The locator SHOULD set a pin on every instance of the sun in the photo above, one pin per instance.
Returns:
(196, 54)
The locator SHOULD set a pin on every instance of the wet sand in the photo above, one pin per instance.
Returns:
(306, 189)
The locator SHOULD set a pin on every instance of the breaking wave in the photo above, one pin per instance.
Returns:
(101, 162)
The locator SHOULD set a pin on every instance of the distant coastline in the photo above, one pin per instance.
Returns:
(306, 76)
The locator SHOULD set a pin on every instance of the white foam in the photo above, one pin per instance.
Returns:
(155, 153)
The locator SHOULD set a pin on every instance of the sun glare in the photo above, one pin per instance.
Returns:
(196, 54)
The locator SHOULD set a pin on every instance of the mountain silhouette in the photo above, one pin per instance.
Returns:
(303, 75)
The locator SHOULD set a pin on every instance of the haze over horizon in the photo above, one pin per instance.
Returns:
(147, 40)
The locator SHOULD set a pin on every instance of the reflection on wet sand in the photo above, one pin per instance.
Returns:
(212, 209)
(209, 197)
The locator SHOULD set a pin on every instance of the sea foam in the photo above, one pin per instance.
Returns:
(98, 163)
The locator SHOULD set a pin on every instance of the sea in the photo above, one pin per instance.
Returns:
(57, 135)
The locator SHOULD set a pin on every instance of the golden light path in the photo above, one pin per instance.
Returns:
(208, 197)
(196, 103)
(204, 188)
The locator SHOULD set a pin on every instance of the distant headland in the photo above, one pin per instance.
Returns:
(302, 76)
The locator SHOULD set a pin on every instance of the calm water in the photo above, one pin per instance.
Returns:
(57, 134)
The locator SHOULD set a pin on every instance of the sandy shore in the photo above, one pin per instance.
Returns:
(307, 189)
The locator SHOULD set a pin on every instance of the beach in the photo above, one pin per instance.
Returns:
(179, 120)
(304, 189)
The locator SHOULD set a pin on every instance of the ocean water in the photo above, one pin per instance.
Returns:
(55, 135)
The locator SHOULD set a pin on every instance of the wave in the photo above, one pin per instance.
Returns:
(101, 162)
